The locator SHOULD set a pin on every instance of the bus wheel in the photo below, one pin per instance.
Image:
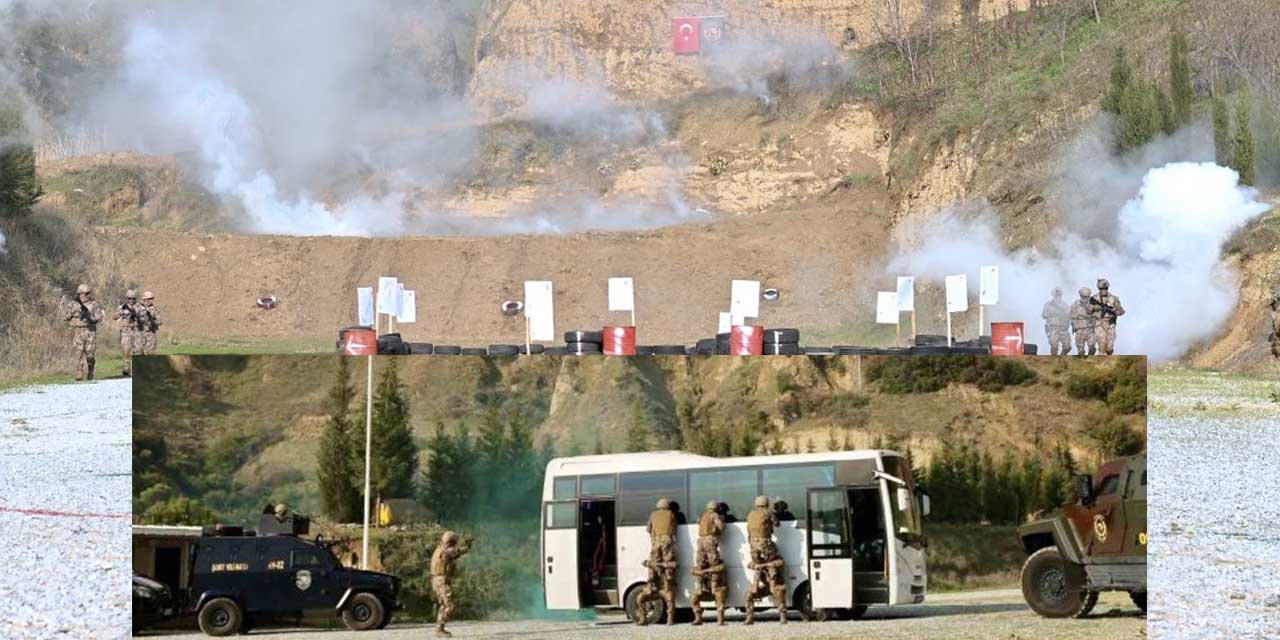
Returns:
(1053, 587)
(649, 612)
(1139, 599)
(804, 603)
(220, 617)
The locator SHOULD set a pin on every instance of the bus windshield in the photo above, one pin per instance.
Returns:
(906, 514)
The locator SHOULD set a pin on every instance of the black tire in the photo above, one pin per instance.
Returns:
(220, 617)
(930, 340)
(653, 612)
(504, 350)
(644, 350)
(1029, 349)
(850, 350)
(706, 344)
(474, 351)
(421, 348)
(533, 348)
(894, 351)
(555, 351)
(583, 348)
(781, 336)
(668, 350)
(930, 351)
(364, 613)
(782, 349)
(1139, 600)
(1053, 587)
(584, 336)
(391, 345)
(447, 350)
(803, 602)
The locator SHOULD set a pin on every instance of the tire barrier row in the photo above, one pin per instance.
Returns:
(772, 342)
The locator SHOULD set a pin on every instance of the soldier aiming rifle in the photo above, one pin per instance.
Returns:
(84, 316)
(1107, 309)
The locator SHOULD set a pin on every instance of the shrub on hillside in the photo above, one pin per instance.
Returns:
(918, 374)
(1113, 437)
(1123, 387)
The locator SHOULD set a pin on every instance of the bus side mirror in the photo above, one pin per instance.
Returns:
(1084, 487)
(924, 504)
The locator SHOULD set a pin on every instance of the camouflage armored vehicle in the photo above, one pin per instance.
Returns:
(1097, 544)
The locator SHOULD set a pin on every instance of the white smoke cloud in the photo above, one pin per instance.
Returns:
(1163, 260)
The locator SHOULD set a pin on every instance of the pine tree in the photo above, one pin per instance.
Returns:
(1242, 152)
(1180, 79)
(637, 428)
(1121, 79)
(1162, 115)
(336, 467)
(1222, 138)
(395, 456)
(19, 185)
(444, 486)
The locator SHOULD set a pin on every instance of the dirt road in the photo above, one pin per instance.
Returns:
(64, 511)
(978, 614)
(1215, 502)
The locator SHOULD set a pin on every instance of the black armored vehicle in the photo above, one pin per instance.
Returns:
(239, 577)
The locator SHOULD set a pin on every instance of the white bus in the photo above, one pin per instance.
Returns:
(851, 535)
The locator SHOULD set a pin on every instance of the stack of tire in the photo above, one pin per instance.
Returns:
(583, 343)
(782, 342)
(390, 344)
(930, 345)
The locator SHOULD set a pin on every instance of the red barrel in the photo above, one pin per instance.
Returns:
(1006, 338)
(619, 341)
(746, 340)
(357, 341)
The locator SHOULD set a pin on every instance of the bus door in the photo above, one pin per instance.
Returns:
(830, 560)
(560, 554)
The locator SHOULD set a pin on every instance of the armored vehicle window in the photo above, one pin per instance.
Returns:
(599, 485)
(790, 483)
(1108, 485)
(640, 492)
(304, 558)
(736, 488)
(564, 488)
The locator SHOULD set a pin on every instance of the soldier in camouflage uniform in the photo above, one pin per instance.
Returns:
(1106, 308)
(442, 567)
(1057, 324)
(767, 566)
(83, 314)
(708, 566)
(152, 327)
(661, 563)
(131, 318)
(1275, 323)
(1082, 324)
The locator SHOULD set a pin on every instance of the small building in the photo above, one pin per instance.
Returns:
(163, 553)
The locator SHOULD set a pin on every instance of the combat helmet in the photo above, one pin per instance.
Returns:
(131, 294)
(762, 502)
(281, 510)
(713, 505)
(147, 295)
(84, 288)
(1085, 292)
(448, 538)
(663, 503)
(1103, 284)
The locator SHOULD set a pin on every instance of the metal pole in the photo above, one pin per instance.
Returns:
(948, 328)
(368, 443)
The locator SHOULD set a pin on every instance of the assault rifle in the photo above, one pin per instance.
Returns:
(1107, 310)
(84, 312)
(133, 316)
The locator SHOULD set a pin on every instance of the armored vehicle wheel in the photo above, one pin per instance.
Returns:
(1053, 587)
(220, 617)
(1139, 599)
(652, 611)
(364, 613)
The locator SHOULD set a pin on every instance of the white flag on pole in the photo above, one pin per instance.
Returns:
(957, 293)
(989, 285)
(388, 295)
(622, 294)
(539, 310)
(906, 295)
(408, 307)
(744, 299)
(364, 306)
(726, 322)
(887, 307)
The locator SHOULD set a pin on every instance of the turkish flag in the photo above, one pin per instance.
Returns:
(684, 34)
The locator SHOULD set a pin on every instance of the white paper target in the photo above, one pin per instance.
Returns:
(539, 310)
(957, 293)
(887, 307)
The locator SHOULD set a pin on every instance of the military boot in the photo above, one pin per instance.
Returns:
(697, 610)
(90, 374)
(780, 599)
(440, 632)
(671, 611)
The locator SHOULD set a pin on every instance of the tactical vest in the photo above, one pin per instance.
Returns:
(760, 524)
(710, 524)
(440, 563)
(662, 522)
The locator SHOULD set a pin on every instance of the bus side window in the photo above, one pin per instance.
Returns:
(639, 492)
(791, 483)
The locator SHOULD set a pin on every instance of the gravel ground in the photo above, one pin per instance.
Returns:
(1214, 564)
(64, 511)
(954, 616)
